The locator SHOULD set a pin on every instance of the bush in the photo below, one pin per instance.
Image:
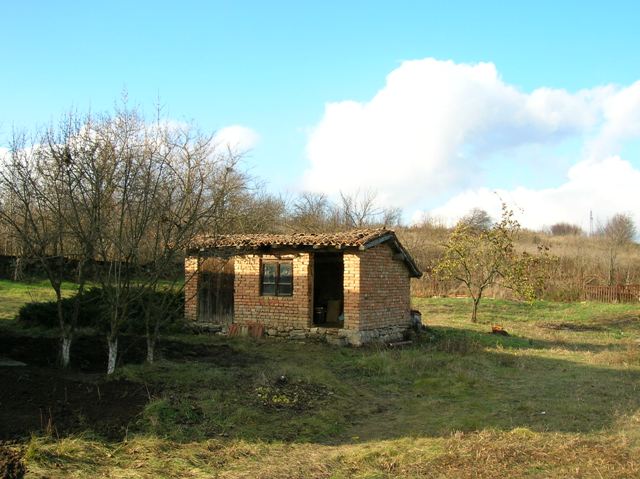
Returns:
(566, 229)
(167, 302)
(46, 313)
(93, 313)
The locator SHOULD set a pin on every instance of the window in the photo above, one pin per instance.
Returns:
(276, 278)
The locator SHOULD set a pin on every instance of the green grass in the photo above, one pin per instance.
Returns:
(14, 294)
(558, 397)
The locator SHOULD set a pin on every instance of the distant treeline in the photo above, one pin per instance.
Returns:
(16, 268)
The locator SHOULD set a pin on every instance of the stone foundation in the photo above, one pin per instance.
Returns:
(341, 337)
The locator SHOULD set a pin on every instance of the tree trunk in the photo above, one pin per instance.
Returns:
(65, 352)
(113, 354)
(151, 349)
(474, 312)
(17, 269)
(152, 334)
(66, 330)
(612, 266)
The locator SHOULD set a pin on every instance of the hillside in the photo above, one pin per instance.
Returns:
(580, 260)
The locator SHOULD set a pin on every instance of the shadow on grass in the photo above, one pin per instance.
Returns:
(451, 380)
(468, 388)
(513, 341)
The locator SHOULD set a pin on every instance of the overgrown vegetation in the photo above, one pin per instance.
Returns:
(581, 260)
(556, 398)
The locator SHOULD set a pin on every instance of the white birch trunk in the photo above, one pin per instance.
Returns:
(151, 349)
(17, 271)
(113, 354)
(66, 351)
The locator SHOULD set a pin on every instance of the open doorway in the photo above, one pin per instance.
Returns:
(328, 290)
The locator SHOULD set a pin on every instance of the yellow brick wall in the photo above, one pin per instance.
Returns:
(351, 285)
(376, 291)
(274, 311)
(384, 289)
(191, 271)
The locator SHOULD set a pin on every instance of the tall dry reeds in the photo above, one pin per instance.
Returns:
(580, 261)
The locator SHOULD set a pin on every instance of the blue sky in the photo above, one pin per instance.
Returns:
(277, 67)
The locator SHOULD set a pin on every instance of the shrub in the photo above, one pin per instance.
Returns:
(92, 312)
(566, 229)
(46, 313)
(167, 302)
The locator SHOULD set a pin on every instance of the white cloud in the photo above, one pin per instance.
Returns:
(430, 124)
(237, 138)
(603, 187)
(435, 125)
(621, 112)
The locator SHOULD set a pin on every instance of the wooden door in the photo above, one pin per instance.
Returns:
(215, 293)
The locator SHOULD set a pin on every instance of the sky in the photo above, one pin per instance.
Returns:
(438, 107)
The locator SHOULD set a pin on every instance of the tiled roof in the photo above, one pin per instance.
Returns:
(358, 237)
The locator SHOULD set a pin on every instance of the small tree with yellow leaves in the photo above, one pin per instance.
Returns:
(479, 258)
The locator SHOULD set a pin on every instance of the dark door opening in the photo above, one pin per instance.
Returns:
(215, 292)
(328, 290)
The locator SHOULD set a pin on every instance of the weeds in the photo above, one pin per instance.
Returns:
(460, 402)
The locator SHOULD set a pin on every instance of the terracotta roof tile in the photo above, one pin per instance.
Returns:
(357, 237)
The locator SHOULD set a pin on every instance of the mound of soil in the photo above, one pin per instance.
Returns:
(284, 394)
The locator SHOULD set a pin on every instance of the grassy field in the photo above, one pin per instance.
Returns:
(14, 294)
(558, 397)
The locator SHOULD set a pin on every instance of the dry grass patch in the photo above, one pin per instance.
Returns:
(483, 454)
(460, 402)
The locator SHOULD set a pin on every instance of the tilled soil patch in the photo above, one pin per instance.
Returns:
(42, 398)
(50, 401)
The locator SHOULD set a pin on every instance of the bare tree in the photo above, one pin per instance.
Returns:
(126, 195)
(620, 229)
(359, 209)
(565, 229)
(618, 232)
(38, 186)
(161, 187)
(192, 195)
(391, 217)
(252, 210)
(477, 219)
(311, 212)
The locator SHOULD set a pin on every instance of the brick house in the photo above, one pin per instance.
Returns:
(350, 287)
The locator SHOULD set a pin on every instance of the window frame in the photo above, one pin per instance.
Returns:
(277, 284)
